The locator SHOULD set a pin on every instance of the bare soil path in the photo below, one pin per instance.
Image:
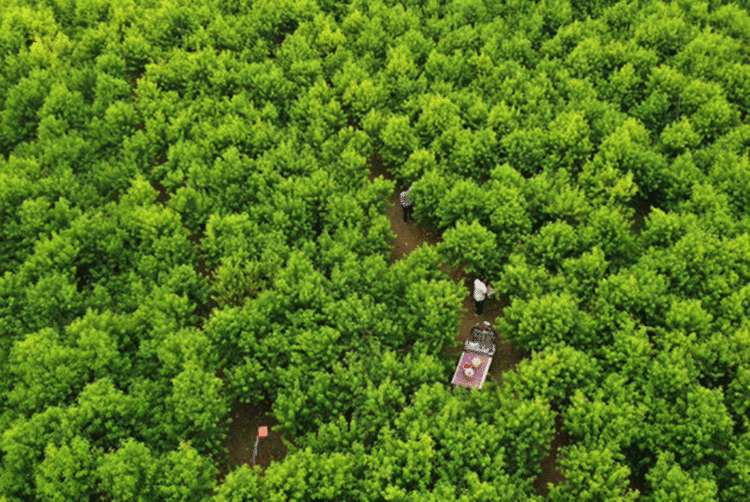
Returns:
(240, 440)
(412, 235)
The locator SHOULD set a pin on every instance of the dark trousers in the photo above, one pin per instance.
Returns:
(479, 306)
(407, 212)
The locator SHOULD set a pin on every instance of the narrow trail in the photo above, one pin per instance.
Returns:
(410, 236)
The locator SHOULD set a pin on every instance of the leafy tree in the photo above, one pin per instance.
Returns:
(103, 414)
(24, 100)
(610, 229)
(236, 280)
(197, 405)
(640, 291)
(678, 137)
(610, 419)
(242, 484)
(522, 280)
(438, 115)
(470, 245)
(679, 178)
(665, 30)
(46, 372)
(625, 87)
(465, 202)
(628, 149)
(23, 445)
(660, 106)
(400, 75)
(509, 219)
(138, 51)
(724, 50)
(554, 374)
(568, 141)
(548, 320)
(735, 475)
(525, 149)
(669, 481)
(582, 275)
(735, 78)
(433, 315)
(398, 139)
(554, 243)
(471, 154)
(592, 475)
(67, 471)
(729, 175)
(416, 165)
(185, 475)
(665, 229)
(128, 473)
(361, 97)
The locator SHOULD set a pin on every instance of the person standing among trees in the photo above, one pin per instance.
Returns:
(406, 202)
(480, 290)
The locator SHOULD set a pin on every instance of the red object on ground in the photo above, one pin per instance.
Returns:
(262, 431)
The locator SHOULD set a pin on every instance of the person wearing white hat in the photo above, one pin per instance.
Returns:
(406, 202)
(480, 290)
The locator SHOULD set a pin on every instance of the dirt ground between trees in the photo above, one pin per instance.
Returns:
(247, 418)
(240, 441)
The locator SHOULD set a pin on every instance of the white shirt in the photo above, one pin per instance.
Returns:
(479, 290)
(405, 200)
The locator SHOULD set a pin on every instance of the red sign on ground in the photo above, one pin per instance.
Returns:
(262, 431)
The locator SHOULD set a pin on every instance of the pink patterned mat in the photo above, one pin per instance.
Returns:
(480, 373)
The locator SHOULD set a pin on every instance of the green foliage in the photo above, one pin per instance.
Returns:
(398, 139)
(241, 484)
(525, 149)
(104, 413)
(185, 475)
(730, 175)
(304, 404)
(568, 142)
(235, 280)
(430, 190)
(509, 219)
(608, 421)
(554, 243)
(464, 203)
(438, 115)
(469, 244)
(67, 472)
(669, 482)
(128, 473)
(23, 445)
(548, 320)
(592, 475)
(198, 405)
(555, 373)
(738, 484)
(678, 137)
(24, 101)
(582, 274)
(610, 229)
(46, 372)
(187, 220)
(399, 76)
